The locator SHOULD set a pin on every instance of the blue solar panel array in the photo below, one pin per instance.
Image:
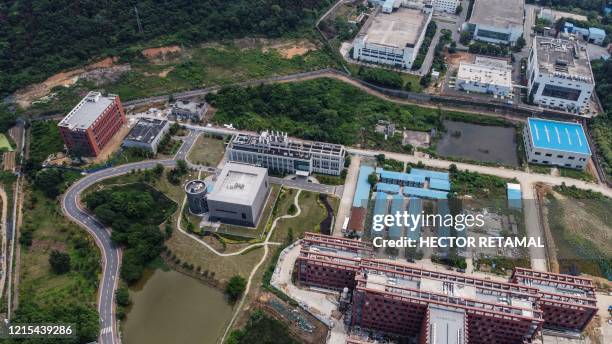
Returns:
(362, 190)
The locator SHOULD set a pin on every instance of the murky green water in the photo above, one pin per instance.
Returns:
(479, 142)
(169, 307)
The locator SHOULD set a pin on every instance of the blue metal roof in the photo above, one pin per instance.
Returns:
(380, 208)
(401, 176)
(514, 196)
(362, 190)
(425, 193)
(443, 231)
(559, 136)
(388, 188)
(439, 184)
(415, 207)
(597, 31)
(397, 206)
(430, 174)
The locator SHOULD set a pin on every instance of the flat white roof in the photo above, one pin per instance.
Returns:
(398, 29)
(85, 113)
(498, 13)
(238, 184)
(485, 73)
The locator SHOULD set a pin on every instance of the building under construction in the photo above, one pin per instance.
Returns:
(403, 300)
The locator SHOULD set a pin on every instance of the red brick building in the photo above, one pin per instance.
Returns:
(408, 301)
(92, 123)
(330, 262)
(568, 302)
(404, 300)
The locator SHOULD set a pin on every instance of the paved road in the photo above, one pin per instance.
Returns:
(111, 255)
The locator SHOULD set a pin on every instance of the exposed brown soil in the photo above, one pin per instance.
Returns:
(106, 68)
(161, 54)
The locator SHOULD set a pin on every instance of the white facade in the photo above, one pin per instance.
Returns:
(497, 21)
(146, 134)
(485, 75)
(557, 143)
(560, 75)
(448, 6)
(392, 39)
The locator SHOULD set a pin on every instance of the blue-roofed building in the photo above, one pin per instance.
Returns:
(514, 196)
(415, 207)
(381, 207)
(596, 35)
(401, 178)
(556, 143)
(428, 174)
(397, 206)
(388, 188)
(424, 193)
(443, 210)
(362, 190)
(439, 184)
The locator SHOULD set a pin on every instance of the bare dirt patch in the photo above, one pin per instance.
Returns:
(162, 54)
(291, 49)
(99, 72)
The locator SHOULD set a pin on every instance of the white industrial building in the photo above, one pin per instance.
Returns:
(556, 143)
(497, 21)
(392, 38)
(239, 195)
(560, 75)
(146, 134)
(448, 6)
(485, 75)
(280, 154)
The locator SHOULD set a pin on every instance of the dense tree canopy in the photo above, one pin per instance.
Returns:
(40, 37)
(601, 126)
(134, 213)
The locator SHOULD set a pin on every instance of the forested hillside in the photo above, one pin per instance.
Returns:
(41, 37)
(588, 5)
(602, 124)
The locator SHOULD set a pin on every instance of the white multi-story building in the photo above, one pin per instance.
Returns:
(485, 75)
(392, 38)
(497, 21)
(556, 143)
(448, 6)
(560, 75)
(278, 153)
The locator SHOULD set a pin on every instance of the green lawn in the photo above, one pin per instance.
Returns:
(5, 145)
(313, 213)
(208, 150)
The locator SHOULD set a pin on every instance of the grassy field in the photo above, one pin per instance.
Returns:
(212, 65)
(5, 145)
(313, 212)
(576, 174)
(208, 150)
(580, 225)
(45, 140)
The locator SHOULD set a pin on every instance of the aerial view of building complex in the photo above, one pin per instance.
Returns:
(306, 172)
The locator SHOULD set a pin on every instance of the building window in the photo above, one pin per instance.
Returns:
(571, 157)
(538, 153)
(548, 154)
(560, 156)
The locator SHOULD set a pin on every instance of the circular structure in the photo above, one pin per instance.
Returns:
(196, 196)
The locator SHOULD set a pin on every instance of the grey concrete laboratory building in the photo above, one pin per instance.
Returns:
(239, 195)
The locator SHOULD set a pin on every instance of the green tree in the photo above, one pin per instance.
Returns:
(122, 295)
(158, 170)
(373, 179)
(235, 287)
(59, 261)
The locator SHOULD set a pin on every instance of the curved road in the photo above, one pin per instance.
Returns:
(111, 255)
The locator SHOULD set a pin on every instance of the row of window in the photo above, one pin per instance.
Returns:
(559, 156)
